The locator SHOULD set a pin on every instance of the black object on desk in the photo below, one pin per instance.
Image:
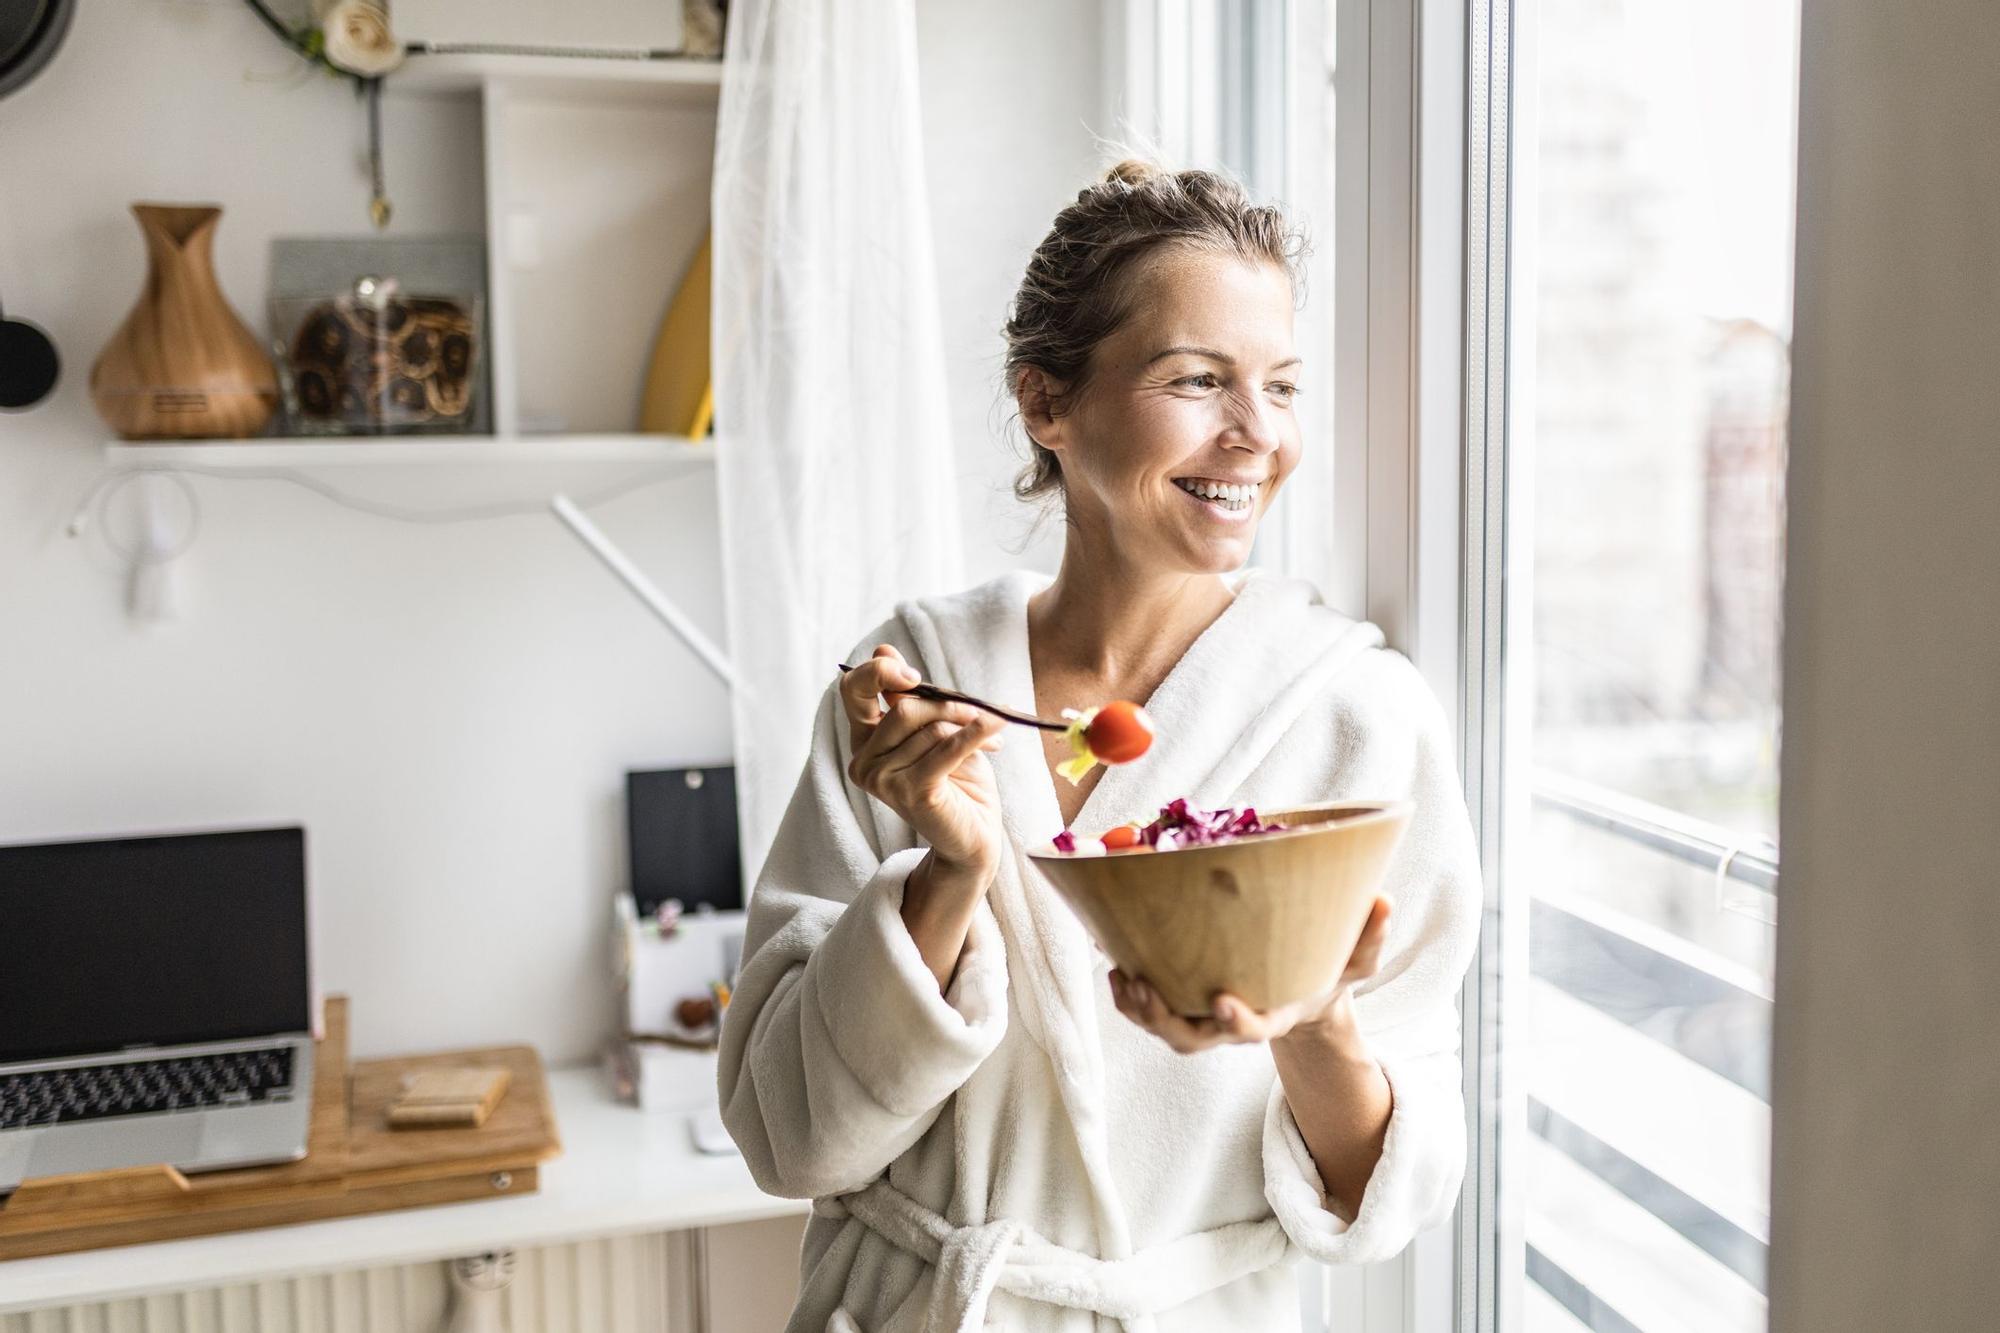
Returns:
(681, 828)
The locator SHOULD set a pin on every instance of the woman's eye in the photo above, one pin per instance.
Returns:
(1197, 380)
(1290, 391)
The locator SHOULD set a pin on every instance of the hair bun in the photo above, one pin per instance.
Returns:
(1134, 171)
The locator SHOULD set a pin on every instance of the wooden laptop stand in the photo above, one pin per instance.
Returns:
(354, 1162)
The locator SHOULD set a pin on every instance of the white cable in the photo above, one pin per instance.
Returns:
(93, 504)
(150, 594)
(93, 499)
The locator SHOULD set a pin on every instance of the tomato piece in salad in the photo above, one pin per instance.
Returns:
(1125, 835)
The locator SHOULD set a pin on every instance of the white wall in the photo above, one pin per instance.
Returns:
(1886, 1152)
(449, 710)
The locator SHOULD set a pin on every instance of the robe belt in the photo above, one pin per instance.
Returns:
(971, 1262)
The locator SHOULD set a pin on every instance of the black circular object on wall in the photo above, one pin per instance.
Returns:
(28, 364)
(30, 32)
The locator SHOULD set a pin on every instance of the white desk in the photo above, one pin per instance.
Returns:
(622, 1171)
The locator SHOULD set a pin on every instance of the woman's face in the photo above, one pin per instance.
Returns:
(1192, 393)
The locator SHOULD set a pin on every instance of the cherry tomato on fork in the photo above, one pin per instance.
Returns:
(1119, 732)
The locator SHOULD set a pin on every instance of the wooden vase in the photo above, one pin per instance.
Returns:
(183, 365)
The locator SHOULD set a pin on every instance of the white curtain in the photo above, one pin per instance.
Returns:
(834, 452)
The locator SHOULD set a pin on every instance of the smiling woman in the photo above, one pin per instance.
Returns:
(1211, 418)
(994, 1121)
(1112, 301)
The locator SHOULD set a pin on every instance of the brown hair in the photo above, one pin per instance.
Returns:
(1077, 291)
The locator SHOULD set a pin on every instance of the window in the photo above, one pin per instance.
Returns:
(1648, 224)
(1556, 239)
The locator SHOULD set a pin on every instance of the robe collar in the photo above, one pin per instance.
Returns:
(1212, 709)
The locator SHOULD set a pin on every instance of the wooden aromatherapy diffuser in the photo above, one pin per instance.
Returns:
(183, 365)
(1271, 917)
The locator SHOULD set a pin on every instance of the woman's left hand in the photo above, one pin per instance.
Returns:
(1235, 1021)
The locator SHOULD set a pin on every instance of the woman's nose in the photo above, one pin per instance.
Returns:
(1254, 424)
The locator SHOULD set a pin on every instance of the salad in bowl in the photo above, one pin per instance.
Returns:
(1177, 825)
(1265, 905)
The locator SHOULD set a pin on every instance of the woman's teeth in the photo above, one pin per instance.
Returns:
(1235, 497)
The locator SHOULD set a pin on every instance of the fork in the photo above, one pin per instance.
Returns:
(926, 690)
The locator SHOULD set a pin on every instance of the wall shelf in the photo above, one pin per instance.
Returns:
(593, 78)
(405, 450)
(597, 201)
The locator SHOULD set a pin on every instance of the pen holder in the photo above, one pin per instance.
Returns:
(662, 971)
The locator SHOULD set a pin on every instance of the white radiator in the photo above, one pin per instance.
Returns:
(629, 1284)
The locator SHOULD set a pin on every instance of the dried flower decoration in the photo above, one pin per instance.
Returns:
(358, 38)
(351, 39)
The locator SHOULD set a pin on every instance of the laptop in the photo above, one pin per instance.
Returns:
(155, 1003)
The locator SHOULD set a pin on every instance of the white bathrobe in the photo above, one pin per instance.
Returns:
(1015, 1153)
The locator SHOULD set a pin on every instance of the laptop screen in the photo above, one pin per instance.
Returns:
(152, 941)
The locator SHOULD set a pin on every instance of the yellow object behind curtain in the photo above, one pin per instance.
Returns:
(680, 392)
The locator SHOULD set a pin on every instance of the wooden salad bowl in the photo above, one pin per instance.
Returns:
(1271, 918)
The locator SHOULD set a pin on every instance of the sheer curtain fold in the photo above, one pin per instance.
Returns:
(834, 455)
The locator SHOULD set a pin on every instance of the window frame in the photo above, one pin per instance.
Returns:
(1431, 96)
(1492, 1251)
(1424, 93)
(1422, 144)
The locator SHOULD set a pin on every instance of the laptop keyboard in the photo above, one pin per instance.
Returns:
(190, 1083)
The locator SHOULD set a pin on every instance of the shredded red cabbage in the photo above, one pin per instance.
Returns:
(1190, 826)
(1195, 827)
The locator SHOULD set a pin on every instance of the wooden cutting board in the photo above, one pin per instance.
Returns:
(354, 1162)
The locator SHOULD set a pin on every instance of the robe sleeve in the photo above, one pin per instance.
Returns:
(837, 1049)
(1407, 1012)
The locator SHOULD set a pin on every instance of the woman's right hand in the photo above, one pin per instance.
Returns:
(925, 759)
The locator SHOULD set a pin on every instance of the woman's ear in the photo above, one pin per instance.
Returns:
(1036, 393)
